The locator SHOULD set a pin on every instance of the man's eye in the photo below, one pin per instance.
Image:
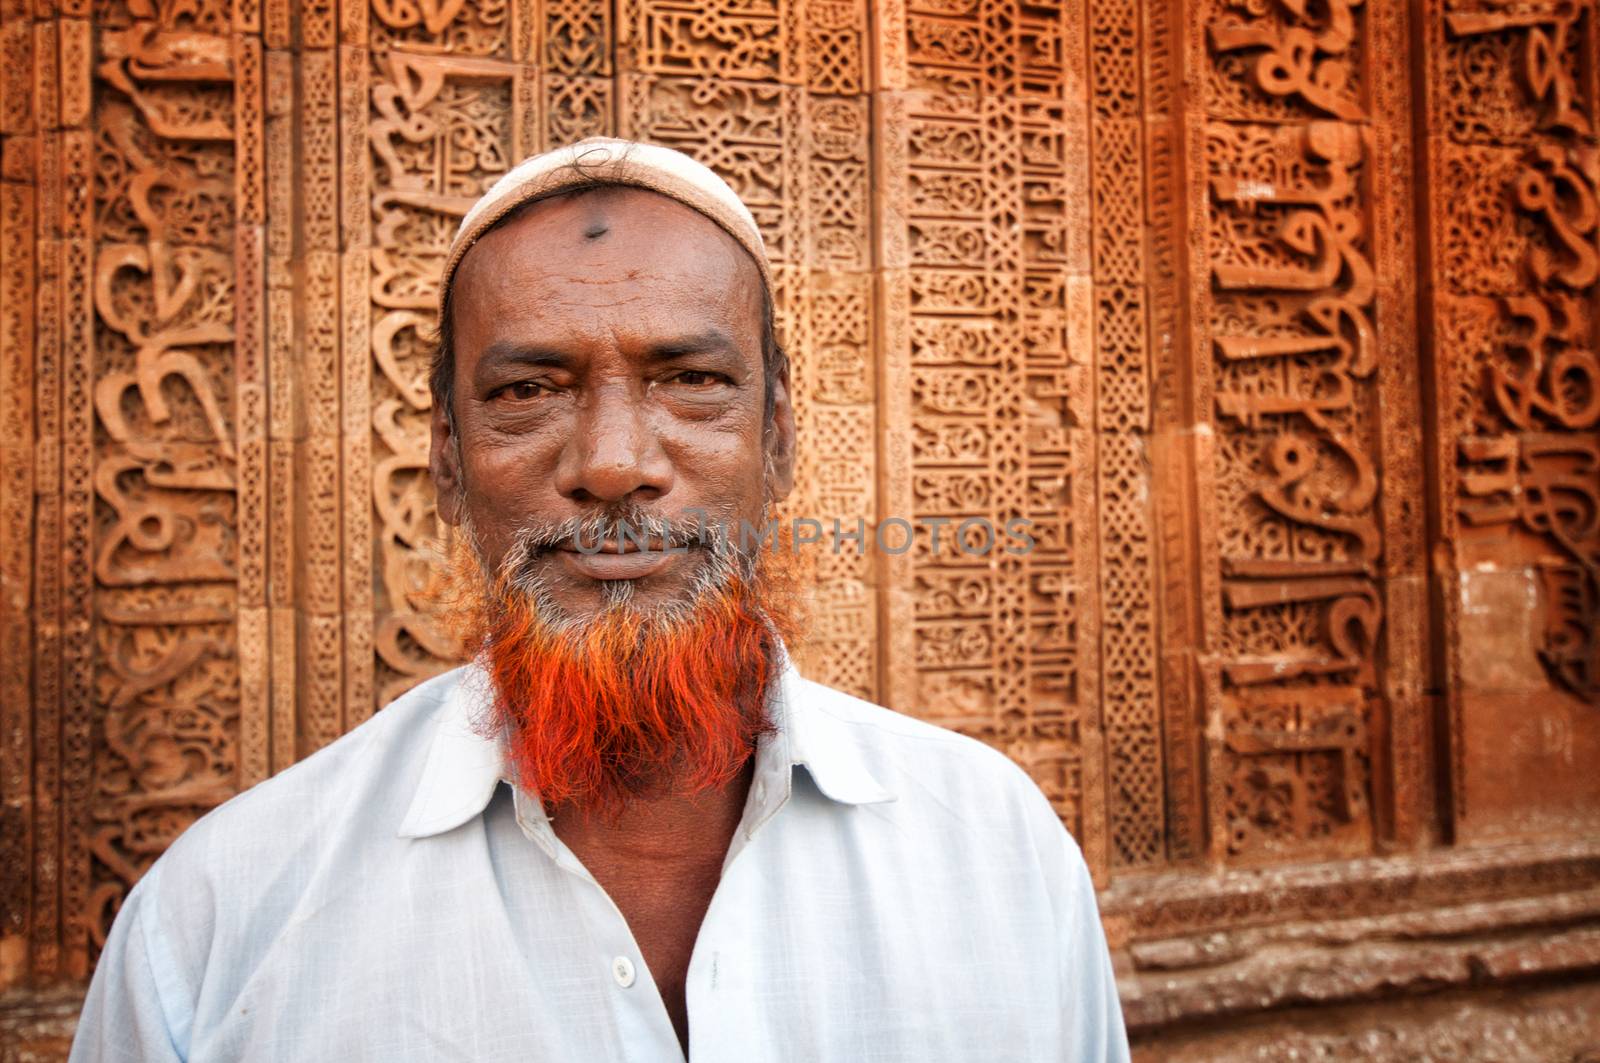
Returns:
(697, 378)
(522, 390)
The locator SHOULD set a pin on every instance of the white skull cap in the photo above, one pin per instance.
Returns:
(611, 161)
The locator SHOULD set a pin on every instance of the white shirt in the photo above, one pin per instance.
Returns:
(909, 895)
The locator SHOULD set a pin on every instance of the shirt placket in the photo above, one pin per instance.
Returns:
(719, 1005)
(644, 1030)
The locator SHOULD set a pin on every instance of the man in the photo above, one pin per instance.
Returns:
(629, 830)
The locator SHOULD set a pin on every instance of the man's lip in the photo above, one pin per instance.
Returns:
(610, 545)
(607, 545)
(612, 565)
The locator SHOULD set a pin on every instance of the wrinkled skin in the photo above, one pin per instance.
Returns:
(608, 349)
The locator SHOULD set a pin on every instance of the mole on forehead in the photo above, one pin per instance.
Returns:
(598, 214)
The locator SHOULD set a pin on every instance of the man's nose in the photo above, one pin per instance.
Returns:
(614, 453)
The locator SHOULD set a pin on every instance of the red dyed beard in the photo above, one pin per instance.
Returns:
(596, 712)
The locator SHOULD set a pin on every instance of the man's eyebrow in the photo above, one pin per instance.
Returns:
(517, 352)
(711, 341)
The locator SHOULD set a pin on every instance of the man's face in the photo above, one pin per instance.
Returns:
(608, 357)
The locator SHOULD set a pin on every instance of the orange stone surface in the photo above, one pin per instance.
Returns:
(1277, 320)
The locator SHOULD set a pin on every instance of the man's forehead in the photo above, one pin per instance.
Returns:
(606, 161)
(596, 212)
(604, 236)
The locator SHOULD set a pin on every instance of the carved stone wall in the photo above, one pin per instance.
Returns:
(1514, 246)
(1276, 321)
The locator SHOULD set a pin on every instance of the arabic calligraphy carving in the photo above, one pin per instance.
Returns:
(168, 470)
(1295, 348)
(1528, 458)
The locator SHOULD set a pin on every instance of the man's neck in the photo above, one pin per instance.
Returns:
(660, 824)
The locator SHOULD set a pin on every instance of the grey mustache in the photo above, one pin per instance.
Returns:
(646, 531)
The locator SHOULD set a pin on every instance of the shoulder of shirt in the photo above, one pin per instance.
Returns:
(362, 778)
(940, 776)
(902, 751)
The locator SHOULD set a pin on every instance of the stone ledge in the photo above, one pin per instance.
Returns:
(36, 1025)
(1280, 975)
(1480, 917)
(1534, 1023)
(1187, 902)
(1367, 930)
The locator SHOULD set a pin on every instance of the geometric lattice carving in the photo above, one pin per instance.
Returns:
(984, 375)
(1130, 705)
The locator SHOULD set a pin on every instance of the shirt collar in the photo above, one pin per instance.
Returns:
(464, 764)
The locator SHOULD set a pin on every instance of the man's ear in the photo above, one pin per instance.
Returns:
(444, 464)
(778, 439)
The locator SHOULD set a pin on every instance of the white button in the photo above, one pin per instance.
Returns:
(622, 971)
